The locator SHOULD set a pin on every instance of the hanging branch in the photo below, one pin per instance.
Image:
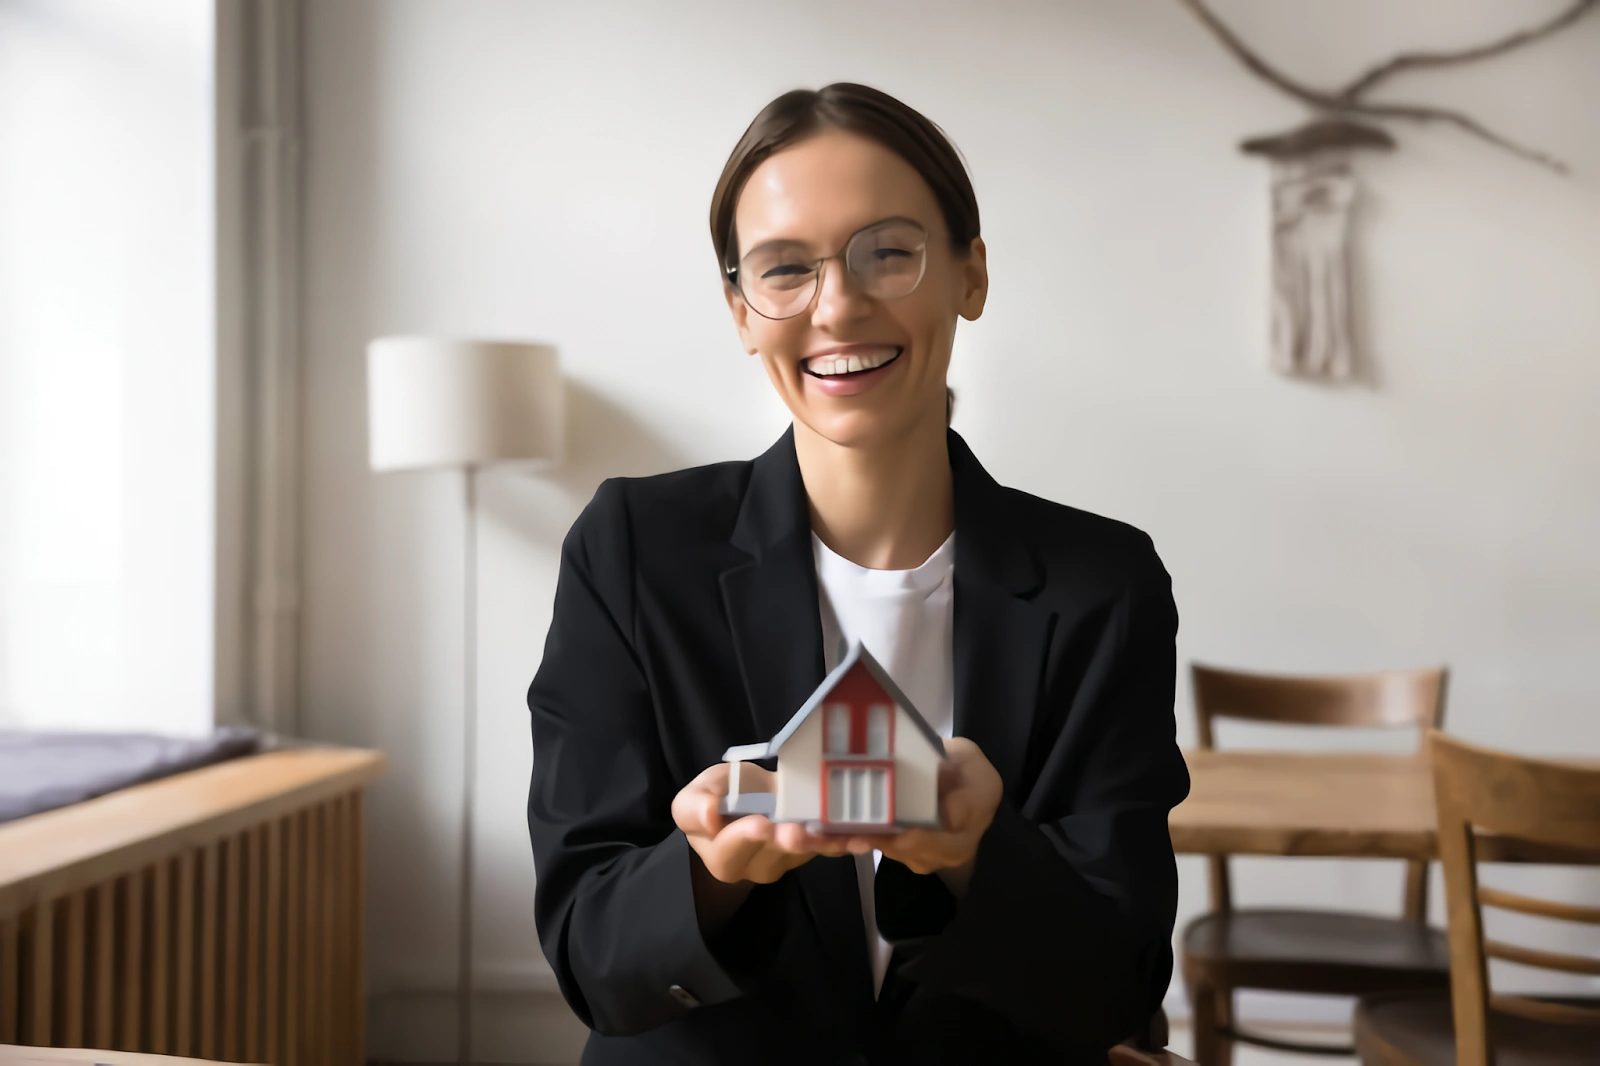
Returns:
(1416, 60)
(1344, 101)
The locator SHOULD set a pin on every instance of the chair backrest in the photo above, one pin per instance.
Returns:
(1393, 698)
(1534, 800)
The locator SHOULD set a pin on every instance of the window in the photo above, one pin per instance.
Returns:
(107, 377)
(838, 728)
(878, 731)
(857, 730)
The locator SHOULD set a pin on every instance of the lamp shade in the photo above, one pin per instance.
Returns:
(434, 402)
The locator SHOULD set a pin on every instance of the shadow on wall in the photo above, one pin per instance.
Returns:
(604, 440)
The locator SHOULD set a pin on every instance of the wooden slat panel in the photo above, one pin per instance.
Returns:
(72, 1013)
(326, 937)
(105, 951)
(343, 972)
(183, 991)
(10, 974)
(44, 954)
(133, 971)
(81, 845)
(293, 986)
(160, 958)
(232, 935)
(311, 970)
(272, 1021)
(358, 922)
(254, 892)
(1511, 901)
(210, 905)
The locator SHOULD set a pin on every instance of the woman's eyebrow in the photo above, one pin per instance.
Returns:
(774, 243)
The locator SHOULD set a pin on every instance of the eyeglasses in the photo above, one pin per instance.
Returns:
(885, 259)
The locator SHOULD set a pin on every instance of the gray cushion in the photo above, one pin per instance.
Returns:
(40, 771)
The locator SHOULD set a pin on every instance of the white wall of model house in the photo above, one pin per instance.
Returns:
(543, 171)
(801, 778)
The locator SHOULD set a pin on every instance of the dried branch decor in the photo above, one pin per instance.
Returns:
(1314, 187)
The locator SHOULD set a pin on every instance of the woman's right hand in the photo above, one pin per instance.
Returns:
(750, 848)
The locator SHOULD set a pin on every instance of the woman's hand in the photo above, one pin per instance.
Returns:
(750, 848)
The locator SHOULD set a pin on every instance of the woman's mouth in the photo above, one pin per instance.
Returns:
(852, 371)
(848, 364)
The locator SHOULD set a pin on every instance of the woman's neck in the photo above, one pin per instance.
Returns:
(887, 507)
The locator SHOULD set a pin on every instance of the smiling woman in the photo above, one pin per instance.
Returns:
(867, 162)
(696, 611)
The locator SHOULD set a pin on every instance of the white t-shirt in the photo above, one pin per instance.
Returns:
(905, 619)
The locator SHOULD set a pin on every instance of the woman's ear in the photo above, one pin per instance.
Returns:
(741, 317)
(974, 280)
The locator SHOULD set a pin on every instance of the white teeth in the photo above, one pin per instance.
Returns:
(854, 364)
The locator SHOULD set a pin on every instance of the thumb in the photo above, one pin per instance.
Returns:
(955, 812)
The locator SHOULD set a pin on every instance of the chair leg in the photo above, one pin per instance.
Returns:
(1224, 1012)
(1203, 1018)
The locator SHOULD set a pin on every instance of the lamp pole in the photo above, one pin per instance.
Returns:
(469, 753)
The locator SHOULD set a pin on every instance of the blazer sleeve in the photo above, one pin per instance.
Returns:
(613, 903)
(1066, 927)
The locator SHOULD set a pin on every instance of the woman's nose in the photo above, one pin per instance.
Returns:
(839, 297)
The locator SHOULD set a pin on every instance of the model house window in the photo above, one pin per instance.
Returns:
(878, 731)
(858, 794)
(859, 730)
(838, 729)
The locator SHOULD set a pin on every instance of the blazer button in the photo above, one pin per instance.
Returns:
(683, 996)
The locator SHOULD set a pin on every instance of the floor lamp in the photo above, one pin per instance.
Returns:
(464, 404)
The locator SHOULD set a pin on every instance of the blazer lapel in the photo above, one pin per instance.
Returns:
(1001, 639)
(776, 624)
(772, 599)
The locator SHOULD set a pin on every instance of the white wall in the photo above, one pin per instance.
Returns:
(106, 404)
(501, 169)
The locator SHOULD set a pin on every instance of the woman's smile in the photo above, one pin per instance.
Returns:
(850, 369)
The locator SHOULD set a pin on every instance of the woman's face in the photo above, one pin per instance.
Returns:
(812, 197)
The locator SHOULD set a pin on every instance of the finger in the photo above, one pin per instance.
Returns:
(957, 810)
(831, 844)
(793, 838)
(730, 852)
(958, 750)
(698, 812)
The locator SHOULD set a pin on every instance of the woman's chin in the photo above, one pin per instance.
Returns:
(859, 428)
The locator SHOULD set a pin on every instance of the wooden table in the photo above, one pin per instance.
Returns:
(1358, 806)
(17, 1055)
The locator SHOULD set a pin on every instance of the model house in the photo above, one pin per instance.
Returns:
(857, 756)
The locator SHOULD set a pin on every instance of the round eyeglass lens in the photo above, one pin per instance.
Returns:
(888, 259)
(885, 260)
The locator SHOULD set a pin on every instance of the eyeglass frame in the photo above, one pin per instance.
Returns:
(733, 272)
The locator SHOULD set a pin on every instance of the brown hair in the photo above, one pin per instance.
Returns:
(859, 109)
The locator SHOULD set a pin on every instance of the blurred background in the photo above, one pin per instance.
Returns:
(207, 211)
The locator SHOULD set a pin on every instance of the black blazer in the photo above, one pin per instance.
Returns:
(686, 620)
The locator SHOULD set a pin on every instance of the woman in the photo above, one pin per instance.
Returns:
(699, 609)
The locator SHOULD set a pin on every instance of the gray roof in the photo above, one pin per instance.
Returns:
(857, 653)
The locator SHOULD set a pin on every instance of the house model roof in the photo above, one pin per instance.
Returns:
(856, 655)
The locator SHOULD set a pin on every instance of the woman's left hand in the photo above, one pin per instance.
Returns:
(969, 792)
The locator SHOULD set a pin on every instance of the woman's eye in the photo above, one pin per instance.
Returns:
(786, 270)
(890, 253)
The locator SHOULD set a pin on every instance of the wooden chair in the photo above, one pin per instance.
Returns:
(1530, 800)
(1122, 1055)
(1287, 950)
